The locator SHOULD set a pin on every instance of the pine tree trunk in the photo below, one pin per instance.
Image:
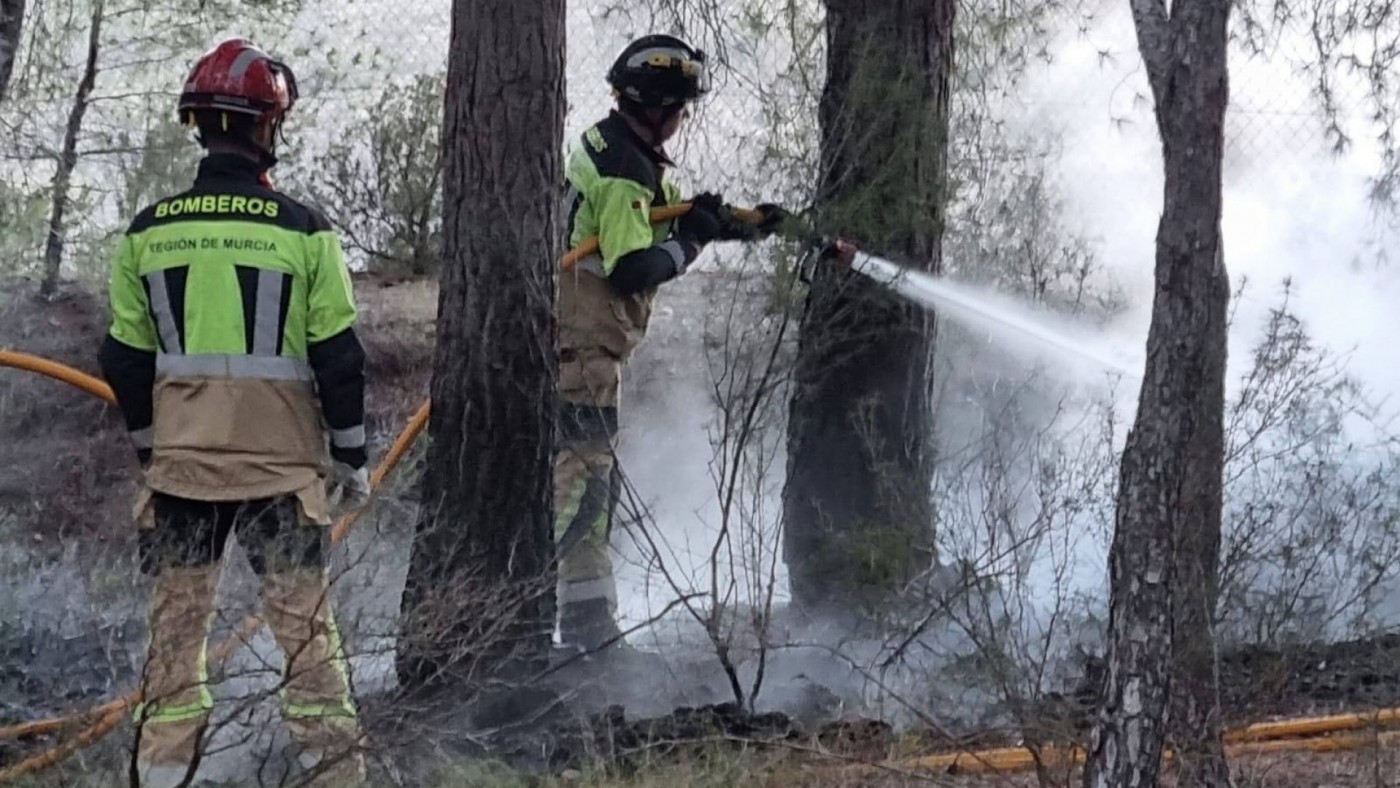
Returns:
(479, 590)
(1161, 683)
(857, 510)
(11, 26)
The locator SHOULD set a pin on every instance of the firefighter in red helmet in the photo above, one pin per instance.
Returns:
(240, 378)
(237, 84)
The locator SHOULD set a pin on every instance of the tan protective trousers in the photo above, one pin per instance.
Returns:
(184, 552)
(585, 496)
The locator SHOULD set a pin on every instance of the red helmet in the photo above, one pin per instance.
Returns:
(236, 76)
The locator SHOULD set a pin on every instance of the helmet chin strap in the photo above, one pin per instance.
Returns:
(654, 128)
(267, 157)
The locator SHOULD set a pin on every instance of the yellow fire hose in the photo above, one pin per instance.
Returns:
(663, 214)
(57, 371)
(1022, 759)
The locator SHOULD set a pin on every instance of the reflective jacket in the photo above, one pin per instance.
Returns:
(232, 349)
(614, 179)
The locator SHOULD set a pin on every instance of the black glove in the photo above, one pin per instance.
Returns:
(733, 228)
(701, 224)
(774, 217)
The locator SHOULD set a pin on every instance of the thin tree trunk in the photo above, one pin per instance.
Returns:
(479, 591)
(68, 158)
(857, 512)
(1161, 679)
(11, 26)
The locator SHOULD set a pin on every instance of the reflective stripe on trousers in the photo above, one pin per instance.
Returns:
(175, 694)
(316, 700)
(582, 492)
(316, 683)
(587, 592)
(589, 378)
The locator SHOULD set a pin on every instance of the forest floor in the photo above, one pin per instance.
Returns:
(779, 767)
(65, 490)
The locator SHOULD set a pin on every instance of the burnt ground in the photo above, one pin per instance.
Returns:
(68, 471)
(67, 481)
(564, 729)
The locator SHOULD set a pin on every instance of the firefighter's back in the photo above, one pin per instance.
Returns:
(231, 273)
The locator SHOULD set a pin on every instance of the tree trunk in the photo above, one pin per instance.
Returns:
(11, 26)
(479, 590)
(857, 511)
(68, 159)
(1161, 679)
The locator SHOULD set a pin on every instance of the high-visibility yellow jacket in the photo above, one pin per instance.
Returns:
(232, 349)
(614, 179)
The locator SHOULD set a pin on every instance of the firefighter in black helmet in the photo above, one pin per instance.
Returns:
(616, 174)
(654, 79)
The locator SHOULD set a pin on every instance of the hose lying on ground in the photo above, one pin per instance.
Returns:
(1022, 759)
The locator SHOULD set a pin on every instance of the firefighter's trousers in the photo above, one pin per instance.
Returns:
(585, 496)
(183, 552)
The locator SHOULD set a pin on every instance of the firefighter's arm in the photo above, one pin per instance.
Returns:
(337, 359)
(127, 357)
(631, 260)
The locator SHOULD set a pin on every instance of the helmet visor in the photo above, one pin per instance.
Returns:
(695, 75)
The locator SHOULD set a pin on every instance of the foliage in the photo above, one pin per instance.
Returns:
(22, 213)
(382, 185)
(157, 161)
(126, 148)
(1312, 534)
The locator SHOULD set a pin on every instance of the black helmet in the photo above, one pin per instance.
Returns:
(659, 71)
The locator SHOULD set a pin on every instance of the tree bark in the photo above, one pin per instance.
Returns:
(11, 26)
(1162, 681)
(68, 158)
(479, 590)
(857, 511)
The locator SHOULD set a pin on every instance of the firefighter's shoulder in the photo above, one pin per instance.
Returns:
(613, 154)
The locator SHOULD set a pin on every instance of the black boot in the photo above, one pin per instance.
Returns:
(589, 626)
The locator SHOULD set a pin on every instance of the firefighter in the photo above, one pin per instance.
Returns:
(236, 366)
(617, 173)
